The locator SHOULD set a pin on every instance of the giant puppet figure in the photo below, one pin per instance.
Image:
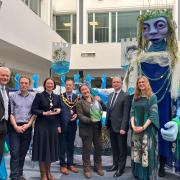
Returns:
(157, 60)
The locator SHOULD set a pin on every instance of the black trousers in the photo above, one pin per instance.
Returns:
(67, 138)
(19, 145)
(119, 148)
(3, 132)
(96, 139)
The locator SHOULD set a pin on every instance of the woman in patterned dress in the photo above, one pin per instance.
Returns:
(145, 124)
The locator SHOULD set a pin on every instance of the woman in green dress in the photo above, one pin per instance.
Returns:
(145, 124)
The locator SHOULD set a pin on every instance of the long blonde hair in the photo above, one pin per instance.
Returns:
(138, 93)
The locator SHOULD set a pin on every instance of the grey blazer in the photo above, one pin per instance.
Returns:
(85, 123)
(119, 112)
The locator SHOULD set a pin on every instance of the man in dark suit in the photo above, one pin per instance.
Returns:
(117, 121)
(4, 106)
(68, 129)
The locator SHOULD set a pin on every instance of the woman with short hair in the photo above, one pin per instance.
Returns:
(88, 111)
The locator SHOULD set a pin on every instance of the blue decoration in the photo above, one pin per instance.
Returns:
(125, 67)
(3, 171)
(76, 78)
(16, 78)
(103, 84)
(60, 67)
(88, 79)
(35, 78)
(131, 91)
(63, 79)
(102, 95)
(61, 62)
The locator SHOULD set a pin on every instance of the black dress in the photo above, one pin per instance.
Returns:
(45, 140)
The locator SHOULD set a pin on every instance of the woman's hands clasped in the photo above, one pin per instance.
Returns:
(138, 129)
(51, 113)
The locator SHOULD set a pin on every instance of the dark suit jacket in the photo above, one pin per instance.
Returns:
(85, 123)
(65, 114)
(119, 113)
(2, 111)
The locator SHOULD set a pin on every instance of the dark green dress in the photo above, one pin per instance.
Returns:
(144, 145)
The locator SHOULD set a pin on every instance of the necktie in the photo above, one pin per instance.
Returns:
(6, 101)
(69, 98)
(113, 100)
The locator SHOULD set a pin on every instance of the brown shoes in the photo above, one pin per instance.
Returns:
(87, 172)
(64, 170)
(99, 171)
(73, 169)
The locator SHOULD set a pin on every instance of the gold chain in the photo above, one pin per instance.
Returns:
(70, 104)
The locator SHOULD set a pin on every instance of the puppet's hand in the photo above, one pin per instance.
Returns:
(171, 131)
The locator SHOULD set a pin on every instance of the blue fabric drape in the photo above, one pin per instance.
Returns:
(164, 106)
(3, 171)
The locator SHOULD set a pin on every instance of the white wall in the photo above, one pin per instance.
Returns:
(64, 6)
(70, 6)
(124, 4)
(46, 11)
(108, 56)
(23, 28)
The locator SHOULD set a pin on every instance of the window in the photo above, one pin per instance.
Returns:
(127, 24)
(34, 5)
(98, 27)
(74, 29)
(112, 26)
(102, 27)
(66, 27)
(90, 28)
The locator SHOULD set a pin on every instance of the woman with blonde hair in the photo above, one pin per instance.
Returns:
(145, 124)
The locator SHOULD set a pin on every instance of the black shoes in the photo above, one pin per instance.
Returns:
(161, 172)
(113, 168)
(118, 173)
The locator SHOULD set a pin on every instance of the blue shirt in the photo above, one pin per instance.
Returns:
(21, 106)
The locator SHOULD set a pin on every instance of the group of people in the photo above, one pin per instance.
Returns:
(55, 124)
(54, 118)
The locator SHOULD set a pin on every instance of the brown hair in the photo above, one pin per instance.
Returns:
(137, 93)
(25, 78)
(44, 83)
(84, 84)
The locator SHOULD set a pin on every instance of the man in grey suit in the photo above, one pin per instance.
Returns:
(117, 121)
(4, 106)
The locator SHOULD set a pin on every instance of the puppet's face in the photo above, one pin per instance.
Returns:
(155, 30)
